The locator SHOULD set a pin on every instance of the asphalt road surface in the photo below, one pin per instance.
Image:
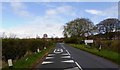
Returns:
(64, 57)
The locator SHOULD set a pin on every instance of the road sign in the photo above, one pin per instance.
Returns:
(88, 41)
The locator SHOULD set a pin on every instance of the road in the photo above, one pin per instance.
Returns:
(64, 57)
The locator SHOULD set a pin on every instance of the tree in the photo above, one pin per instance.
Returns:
(37, 37)
(3, 35)
(45, 36)
(12, 35)
(78, 27)
(108, 25)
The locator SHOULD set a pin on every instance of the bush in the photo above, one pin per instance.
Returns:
(108, 44)
(17, 48)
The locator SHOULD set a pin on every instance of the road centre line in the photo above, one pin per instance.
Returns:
(62, 46)
(78, 66)
(67, 52)
(72, 57)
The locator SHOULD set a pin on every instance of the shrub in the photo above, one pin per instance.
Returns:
(17, 48)
(108, 44)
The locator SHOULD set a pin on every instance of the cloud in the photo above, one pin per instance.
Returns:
(20, 9)
(38, 26)
(51, 12)
(46, 4)
(95, 12)
(111, 12)
(64, 10)
(50, 23)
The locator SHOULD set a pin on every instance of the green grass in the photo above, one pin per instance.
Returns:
(111, 55)
(32, 60)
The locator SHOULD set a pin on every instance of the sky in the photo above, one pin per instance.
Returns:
(28, 19)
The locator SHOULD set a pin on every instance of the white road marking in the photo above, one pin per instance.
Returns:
(54, 50)
(46, 62)
(51, 54)
(66, 57)
(63, 47)
(68, 61)
(78, 65)
(58, 51)
(49, 57)
(61, 50)
(65, 54)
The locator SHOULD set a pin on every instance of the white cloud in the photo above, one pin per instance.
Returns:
(20, 9)
(51, 12)
(50, 23)
(38, 26)
(64, 10)
(111, 12)
(95, 12)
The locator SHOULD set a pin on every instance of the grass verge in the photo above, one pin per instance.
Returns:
(30, 62)
(111, 55)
